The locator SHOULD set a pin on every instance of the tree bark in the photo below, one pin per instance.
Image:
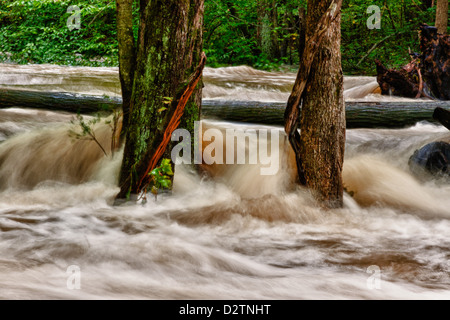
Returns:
(168, 53)
(442, 16)
(323, 122)
(319, 87)
(127, 54)
(267, 34)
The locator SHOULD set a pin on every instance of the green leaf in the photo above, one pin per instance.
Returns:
(155, 172)
(165, 184)
(168, 171)
(167, 100)
(165, 162)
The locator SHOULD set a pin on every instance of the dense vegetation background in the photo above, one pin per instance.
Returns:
(261, 33)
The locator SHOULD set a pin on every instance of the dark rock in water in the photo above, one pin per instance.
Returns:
(434, 158)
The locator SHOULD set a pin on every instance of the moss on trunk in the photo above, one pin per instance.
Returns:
(168, 51)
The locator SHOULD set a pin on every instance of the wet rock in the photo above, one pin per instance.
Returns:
(433, 158)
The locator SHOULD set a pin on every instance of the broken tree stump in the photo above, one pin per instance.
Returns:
(435, 61)
(397, 82)
(428, 74)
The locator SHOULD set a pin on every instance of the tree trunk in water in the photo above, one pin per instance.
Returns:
(323, 124)
(168, 53)
(442, 16)
(127, 53)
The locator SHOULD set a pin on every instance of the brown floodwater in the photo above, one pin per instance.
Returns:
(234, 235)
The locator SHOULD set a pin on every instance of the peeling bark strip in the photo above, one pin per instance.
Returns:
(319, 88)
(169, 49)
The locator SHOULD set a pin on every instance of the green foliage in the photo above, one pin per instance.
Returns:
(261, 33)
(265, 34)
(240, 32)
(399, 26)
(83, 129)
(161, 177)
(35, 31)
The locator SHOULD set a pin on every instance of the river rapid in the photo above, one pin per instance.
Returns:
(238, 235)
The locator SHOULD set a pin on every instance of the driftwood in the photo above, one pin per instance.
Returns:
(403, 83)
(427, 75)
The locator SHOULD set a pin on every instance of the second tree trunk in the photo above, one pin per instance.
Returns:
(323, 121)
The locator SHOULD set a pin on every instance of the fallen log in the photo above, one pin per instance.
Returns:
(57, 101)
(359, 114)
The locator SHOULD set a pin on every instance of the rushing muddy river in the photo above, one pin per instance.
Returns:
(238, 235)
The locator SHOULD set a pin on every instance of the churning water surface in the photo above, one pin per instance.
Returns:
(233, 235)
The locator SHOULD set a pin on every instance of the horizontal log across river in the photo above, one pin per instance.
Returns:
(359, 114)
